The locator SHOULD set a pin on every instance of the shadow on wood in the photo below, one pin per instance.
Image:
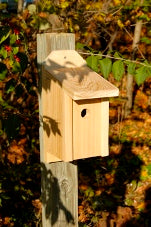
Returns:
(57, 190)
(50, 126)
(59, 180)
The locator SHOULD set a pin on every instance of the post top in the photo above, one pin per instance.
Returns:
(80, 82)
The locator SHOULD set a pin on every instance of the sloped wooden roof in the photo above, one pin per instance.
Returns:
(73, 74)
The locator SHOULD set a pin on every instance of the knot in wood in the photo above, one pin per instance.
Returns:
(65, 186)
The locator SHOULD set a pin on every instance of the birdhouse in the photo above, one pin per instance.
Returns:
(75, 108)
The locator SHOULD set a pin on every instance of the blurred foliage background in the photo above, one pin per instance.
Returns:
(113, 191)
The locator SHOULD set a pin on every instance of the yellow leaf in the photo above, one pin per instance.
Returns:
(141, 206)
(120, 24)
(88, 6)
(64, 5)
(100, 18)
(117, 2)
(144, 173)
(97, 5)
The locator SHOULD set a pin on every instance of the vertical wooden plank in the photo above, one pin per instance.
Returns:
(59, 180)
(46, 43)
(57, 121)
(52, 133)
(67, 128)
(104, 133)
(91, 132)
(59, 195)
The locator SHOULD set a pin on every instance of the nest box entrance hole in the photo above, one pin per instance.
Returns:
(83, 112)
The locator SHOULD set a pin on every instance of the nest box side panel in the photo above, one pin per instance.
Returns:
(67, 123)
(52, 128)
(56, 121)
(90, 128)
(104, 135)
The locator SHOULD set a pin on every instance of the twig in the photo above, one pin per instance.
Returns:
(132, 25)
(128, 33)
(117, 10)
(109, 46)
(137, 46)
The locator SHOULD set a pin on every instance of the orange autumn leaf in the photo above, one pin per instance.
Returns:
(22, 141)
(109, 178)
(141, 206)
(98, 192)
(42, 15)
(83, 187)
(6, 220)
(16, 153)
(141, 100)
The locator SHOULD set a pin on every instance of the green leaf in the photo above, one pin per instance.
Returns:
(148, 67)
(89, 192)
(5, 32)
(131, 68)
(15, 50)
(145, 40)
(149, 169)
(92, 62)
(105, 67)
(16, 67)
(10, 86)
(3, 71)
(129, 202)
(141, 75)
(3, 52)
(118, 69)
(117, 55)
(80, 46)
(148, 70)
(4, 104)
(13, 39)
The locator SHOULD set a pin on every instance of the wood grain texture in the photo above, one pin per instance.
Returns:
(57, 121)
(46, 43)
(59, 195)
(67, 128)
(59, 180)
(52, 99)
(90, 130)
(78, 80)
(67, 135)
(74, 87)
(104, 129)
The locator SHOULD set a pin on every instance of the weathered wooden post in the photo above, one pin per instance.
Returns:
(74, 114)
(59, 180)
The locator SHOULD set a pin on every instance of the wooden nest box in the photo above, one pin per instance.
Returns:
(75, 108)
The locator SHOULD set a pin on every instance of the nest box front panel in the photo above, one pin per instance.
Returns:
(90, 128)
